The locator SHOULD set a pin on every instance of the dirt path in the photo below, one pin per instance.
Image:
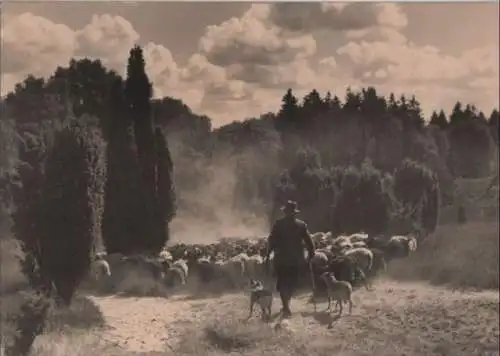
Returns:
(151, 324)
(142, 324)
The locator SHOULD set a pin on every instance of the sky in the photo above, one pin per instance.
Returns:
(232, 61)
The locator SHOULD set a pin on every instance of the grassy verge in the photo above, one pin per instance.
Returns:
(459, 256)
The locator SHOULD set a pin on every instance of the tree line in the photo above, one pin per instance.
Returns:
(90, 160)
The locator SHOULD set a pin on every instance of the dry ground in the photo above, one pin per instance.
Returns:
(404, 317)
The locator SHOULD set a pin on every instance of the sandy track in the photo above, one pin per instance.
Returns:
(152, 324)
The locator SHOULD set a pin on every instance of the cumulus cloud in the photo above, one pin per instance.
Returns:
(436, 78)
(242, 66)
(307, 17)
(33, 44)
(107, 37)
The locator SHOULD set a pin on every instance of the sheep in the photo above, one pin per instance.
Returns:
(341, 239)
(165, 255)
(231, 271)
(182, 266)
(235, 269)
(100, 269)
(358, 237)
(346, 268)
(254, 266)
(241, 256)
(379, 263)
(358, 244)
(205, 269)
(343, 267)
(340, 291)
(320, 258)
(400, 246)
(327, 251)
(362, 256)
(174, 276)
(318, 235)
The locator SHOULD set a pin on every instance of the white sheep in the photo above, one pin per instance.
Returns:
(100, 269)
(318, 235)
(358, 244)
(341, 239)
(175, 276)
(165, 255)
(254, 266)
(358, 237)
(401, 245)
(319, 259)
(231, 270)
(340, 291)
(362, 256)
(182, 266)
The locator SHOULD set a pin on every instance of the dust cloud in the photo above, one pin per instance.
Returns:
(213, 209)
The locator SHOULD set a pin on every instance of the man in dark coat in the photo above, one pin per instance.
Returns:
(287, 239)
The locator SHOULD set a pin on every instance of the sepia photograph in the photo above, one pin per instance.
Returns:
(237, 178)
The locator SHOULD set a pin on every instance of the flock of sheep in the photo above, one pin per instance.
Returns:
(231, 264)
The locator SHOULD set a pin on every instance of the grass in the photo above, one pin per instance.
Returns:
(396, 319)
(402, 316)
(457, 256)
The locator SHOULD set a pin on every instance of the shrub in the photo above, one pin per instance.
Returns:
(417, 188)
(362, 203)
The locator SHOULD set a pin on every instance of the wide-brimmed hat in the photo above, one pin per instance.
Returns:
(290, 206)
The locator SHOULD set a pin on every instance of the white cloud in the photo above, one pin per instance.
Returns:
(33, 44)
(243, 66)
(107, 37)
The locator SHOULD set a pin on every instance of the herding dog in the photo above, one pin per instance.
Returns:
(262, 296)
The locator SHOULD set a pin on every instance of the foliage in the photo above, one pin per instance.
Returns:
(470, 138)
(417, 188)
(311, 150)
(60, 206)
(8, 162)
(362, 204)
(165, 186)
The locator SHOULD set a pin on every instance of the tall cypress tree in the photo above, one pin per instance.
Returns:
(155, 211)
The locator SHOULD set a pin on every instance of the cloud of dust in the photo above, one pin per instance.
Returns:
(208, 212)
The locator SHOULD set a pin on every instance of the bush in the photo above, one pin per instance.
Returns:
(362, 204)
(416, 187)
(26, 195)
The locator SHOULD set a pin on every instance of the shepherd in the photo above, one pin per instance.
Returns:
(287, 239)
